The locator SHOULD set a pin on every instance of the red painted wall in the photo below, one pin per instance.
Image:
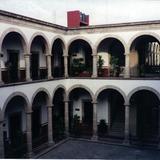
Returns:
(73, 19)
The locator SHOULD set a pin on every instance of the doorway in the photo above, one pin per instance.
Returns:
(87, 113)
(35, 65)
(15, 127)
(13, 59)
(36, 122)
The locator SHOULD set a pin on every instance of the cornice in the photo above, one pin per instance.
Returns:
(15, 19)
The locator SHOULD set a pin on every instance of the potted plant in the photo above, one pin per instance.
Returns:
(76, 126)
(100, 64)
(102, 127)
(115, 69)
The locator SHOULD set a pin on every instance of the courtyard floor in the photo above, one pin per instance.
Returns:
(81, 149)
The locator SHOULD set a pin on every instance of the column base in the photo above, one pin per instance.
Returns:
(29, 80)
(29, 154)
(51, 143)
(126, 76)
(126, 142)
(1, 82)
(50, 77)
(94, 138)
(67, 134)
(94, 76)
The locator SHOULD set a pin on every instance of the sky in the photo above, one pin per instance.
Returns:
(100, 11)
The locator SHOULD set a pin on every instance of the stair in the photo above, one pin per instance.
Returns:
(117, 130)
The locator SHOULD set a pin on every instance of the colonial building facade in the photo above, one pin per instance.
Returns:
(50, 74)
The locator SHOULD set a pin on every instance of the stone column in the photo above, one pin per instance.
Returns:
(94, 75)
(94, 137)
(29, 133)
(65, 66)
(27, 66)
(159, 127)
(50, 128)
(126, 130)
(49, 70)
(1, 140)
(127, 68)
(1, 55)
(66, 117)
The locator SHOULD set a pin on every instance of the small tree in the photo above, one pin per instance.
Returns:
(100, 64)
(102, 127)
(114, 66)
(76, 125)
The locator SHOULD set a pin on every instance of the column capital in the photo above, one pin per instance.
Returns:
(27, 55)
(94, 55)
(64, 55)
(50, 106)
(126, 54)
(29, 112)
(127, 105)
(48, 55)
(94, 102)
(66, 100)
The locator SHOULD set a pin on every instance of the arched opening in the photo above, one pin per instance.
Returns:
(39, 119)
(57, 58)
(144, 117)
(14, 128)
(38, 58)
(80, 59)
(111, 52)
(111, 110)
(13, 66)
(58, 114)
(80, 112)
(145, 56)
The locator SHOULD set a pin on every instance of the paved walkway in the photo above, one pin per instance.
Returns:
(77, 149)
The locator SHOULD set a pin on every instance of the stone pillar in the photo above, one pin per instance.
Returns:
(1, 140)
(27, 66)
(50, 128)
(65, 66)
(94, 74)
(94, 137)
(126, 130)
(66, 117)
(29, 133)
(127, 68)
(49, 70)
(1, 55)
(159, 127)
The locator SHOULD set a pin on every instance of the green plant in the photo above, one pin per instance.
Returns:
(102, 127)
(115, 68)
(100, 62)
(77, 66)
(76, 125)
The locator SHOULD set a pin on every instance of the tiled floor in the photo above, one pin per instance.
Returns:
(77, 149)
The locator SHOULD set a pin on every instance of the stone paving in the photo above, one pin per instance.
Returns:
(79, 149)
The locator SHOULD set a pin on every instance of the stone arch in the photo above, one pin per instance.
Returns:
(80, 86)
(143, 88)
(18, 31)
(28, 107)
(47, 44)
(80, 38)
(120, 39)
(142, 34)
(61, 38)
(42, 90)
(1, 119)
(114, 88)
(58, 87)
